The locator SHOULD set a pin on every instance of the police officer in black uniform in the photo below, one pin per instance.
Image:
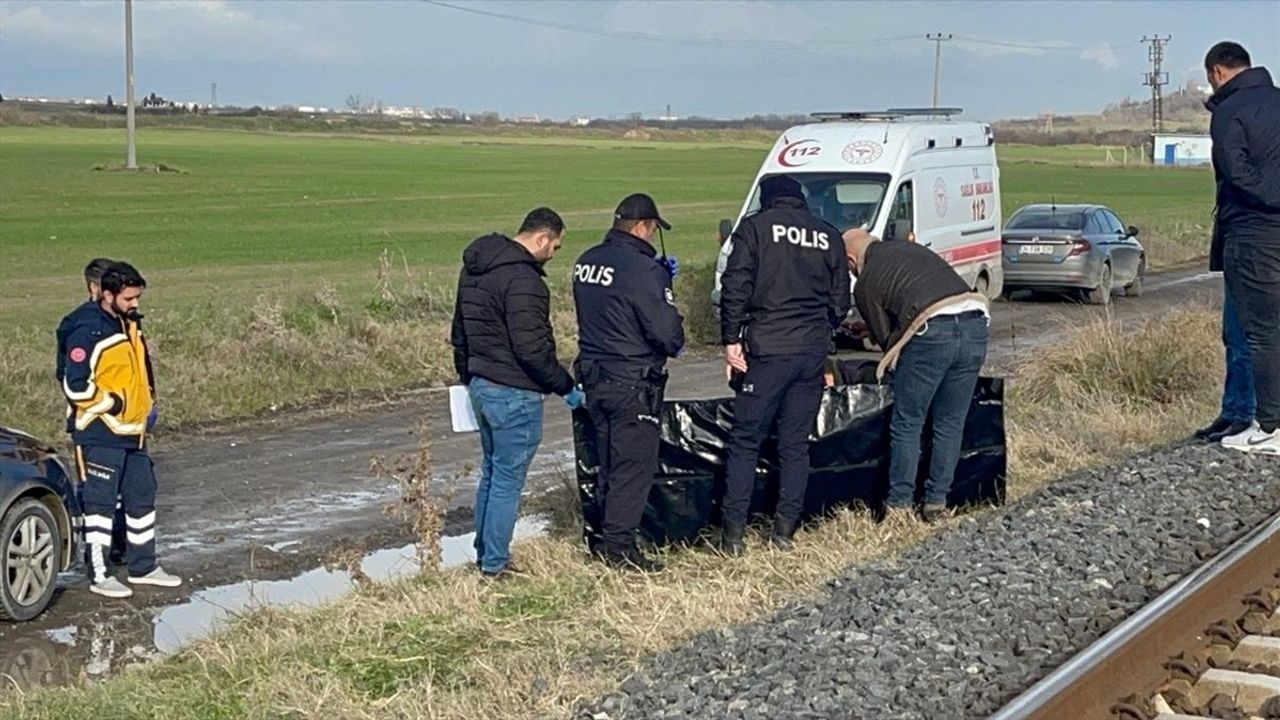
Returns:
(785, 289)
(628, 326)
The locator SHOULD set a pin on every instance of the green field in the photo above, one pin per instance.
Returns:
(263, 252)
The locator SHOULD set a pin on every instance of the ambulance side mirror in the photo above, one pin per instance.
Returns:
(898, 230)
(726, 229)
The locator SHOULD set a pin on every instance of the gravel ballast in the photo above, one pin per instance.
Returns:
(958, 625)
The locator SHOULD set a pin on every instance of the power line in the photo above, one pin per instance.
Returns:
(686, 40)
(1045, 46)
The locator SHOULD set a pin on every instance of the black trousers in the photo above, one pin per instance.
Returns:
(1252, 271)
(787, 389)
(624, 415)
(129, 476)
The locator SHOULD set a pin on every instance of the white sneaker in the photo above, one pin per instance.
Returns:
(1255, 440)
(1238, 438)
(157, 577)
(111, 588)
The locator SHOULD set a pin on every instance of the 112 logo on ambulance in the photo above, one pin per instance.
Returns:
(799, 153)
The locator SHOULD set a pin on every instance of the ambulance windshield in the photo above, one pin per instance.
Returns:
(845, 200)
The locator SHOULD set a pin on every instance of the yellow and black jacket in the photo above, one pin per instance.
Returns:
(107, 380)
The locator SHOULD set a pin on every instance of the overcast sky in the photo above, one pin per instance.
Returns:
(607, 58)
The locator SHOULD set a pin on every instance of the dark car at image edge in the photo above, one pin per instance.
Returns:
(38, 523)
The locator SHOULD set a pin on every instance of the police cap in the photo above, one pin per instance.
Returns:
(639, 206)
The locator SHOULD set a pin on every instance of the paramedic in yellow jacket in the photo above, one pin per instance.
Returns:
(108, 384)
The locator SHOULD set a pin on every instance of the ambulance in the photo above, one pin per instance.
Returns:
(904, 175)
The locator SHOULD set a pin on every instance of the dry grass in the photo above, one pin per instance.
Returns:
(451, 645)
(1174, 242)
(1112, 390)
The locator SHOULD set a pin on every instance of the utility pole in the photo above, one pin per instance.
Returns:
(131, 157)
(213, 95)
(1156, 79)
(937, 39)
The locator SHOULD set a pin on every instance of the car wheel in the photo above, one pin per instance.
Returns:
(983, 285)
(1134, 289)
(30, 556)
(1101, 295)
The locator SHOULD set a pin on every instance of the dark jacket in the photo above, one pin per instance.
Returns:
(897, 282)
(1246, 161)
(627, 313)
(107, 379)
(502, 319)
(786, 284)
(64, 332)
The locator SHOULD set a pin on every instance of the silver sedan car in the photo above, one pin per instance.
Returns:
(1081, 248)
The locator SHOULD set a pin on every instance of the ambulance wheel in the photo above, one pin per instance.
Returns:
(983, 285)
(30, 557)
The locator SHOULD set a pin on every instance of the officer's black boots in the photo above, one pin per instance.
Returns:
(632, 560)
(783, 533)
(731, 538)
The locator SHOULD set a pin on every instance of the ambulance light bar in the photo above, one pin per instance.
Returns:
(890, 114)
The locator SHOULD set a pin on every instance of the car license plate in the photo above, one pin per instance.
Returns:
(1036, 250)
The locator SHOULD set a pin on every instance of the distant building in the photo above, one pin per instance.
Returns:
(1181, 149)
(580, 121)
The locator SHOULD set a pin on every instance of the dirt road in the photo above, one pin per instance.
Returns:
(273, 498)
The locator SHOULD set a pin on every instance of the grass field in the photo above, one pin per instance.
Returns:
(286, 269)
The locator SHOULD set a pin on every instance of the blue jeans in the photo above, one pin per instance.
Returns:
(510, 421)
(1239, 403)
(937, 373)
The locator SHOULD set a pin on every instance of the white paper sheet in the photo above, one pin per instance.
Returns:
(461, 410)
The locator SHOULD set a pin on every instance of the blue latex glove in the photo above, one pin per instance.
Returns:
(670, 264)
(575, 399)
(152, 418)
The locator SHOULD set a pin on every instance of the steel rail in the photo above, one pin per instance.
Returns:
(1051, 695)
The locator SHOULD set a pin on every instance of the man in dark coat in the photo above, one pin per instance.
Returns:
(1246, 162)
(505, 352)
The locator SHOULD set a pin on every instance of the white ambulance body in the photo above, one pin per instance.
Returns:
(902, 175)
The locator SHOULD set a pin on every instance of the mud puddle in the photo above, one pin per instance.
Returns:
(115, 637)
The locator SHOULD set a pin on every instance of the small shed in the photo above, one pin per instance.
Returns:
(1181, 149)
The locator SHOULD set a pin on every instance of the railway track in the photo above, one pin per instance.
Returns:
(1208, 647)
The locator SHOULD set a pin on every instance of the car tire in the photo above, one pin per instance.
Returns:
(982, 285)
(1134, 289)
(30, 558)
(1101, 295)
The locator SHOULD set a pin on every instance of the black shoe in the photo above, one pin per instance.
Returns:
(1234, 428)
(731, 538)
(632, 561)
(1214, 428)
(784, 532)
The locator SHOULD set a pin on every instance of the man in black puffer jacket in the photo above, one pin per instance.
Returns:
(1246, 164)
(505, 351)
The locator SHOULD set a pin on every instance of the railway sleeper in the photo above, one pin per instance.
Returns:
(1249, 691)
(1257, 651)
